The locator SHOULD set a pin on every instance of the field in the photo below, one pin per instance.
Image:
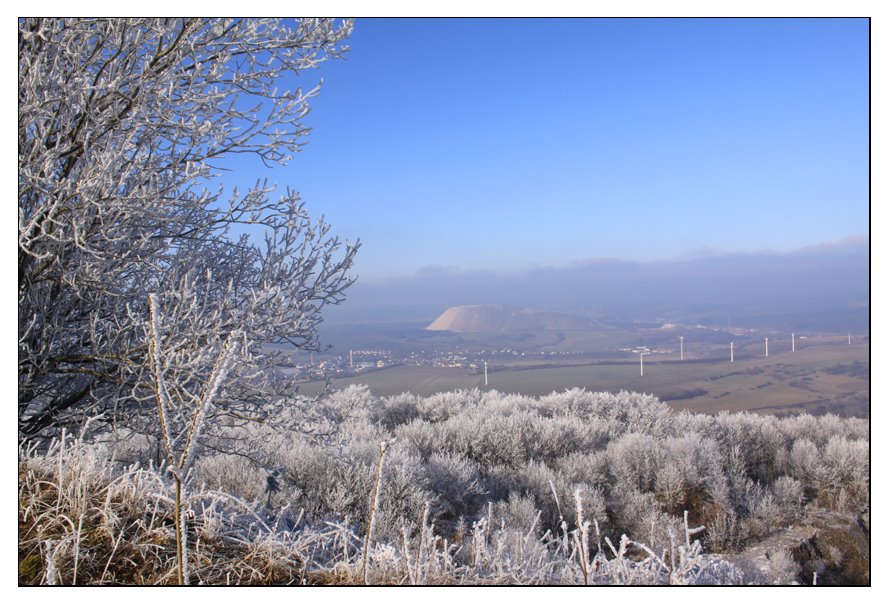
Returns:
(821, 376)
(406, 337)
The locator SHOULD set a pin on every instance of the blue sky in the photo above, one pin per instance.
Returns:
(510, 144)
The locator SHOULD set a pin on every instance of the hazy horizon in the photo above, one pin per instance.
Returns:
(856, 242)
(831, 277)
(508, 145)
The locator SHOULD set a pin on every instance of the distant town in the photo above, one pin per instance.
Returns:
(709, 345)
(361, 361)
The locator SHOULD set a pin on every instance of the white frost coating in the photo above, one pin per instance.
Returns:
(121, 123)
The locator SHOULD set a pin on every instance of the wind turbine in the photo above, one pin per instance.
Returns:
(681, 351)
(486, 373)
(642, 352)
(732, 345)
(793, 342)
(767, 346)
(850, 337)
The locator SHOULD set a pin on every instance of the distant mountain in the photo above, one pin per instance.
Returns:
(822, 287)
(506, 318)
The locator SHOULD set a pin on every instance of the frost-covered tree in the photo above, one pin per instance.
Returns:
(122, 125)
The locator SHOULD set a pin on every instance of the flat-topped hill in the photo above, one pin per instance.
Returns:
(506, 318)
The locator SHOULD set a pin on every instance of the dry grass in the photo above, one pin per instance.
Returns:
(80, 522)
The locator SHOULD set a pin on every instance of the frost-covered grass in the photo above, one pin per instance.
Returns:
(574, 487)
(84, 520)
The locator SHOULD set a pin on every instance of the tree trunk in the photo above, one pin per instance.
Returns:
(181, 537)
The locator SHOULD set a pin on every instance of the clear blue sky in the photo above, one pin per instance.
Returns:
(507, 144)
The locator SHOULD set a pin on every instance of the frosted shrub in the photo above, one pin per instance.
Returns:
(767, 453)
(544, 438)
(788, 492)
(732, 431)
(564, 501)
(725, 531)
(504, 542)
(402, 494)
(740, 572)
(757, 442)
(846, 471)
(492, 439)
(854, 428)
(789, 496)
(506, 404)
(397, 410)
(424, 436)
(697, 458)
(576, 402)
(231, 474)
(361, 434)
(638, 514)
(457, 482)
(353, 401)
(670, 487)
(762, 509)
(477, 498)
(804, 462)
(310, 477)
(516, 438)
(441, 406)
(645, 414)
(691, 474)
(590, 468)
(702, 424)
(621, 413)
(573, 435)
(130, 447)
(803, 426)
(847, 460)
(589, 406)
(783, 570)
(337, 480)
(831, 425)
(517, 511)
(537, 481)
(344, 495)
(592, 501)
(634, 460)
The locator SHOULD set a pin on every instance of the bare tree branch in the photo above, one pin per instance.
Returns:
(119, 123)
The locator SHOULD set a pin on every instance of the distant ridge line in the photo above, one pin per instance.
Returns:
(506, 318)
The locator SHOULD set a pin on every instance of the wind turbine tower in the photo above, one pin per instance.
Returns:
(681, 350)
(350, 359)
(767, 346)
(486, 373)
(850, 337)
(732, 345)
(793, 342)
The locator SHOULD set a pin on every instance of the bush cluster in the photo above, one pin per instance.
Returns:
(467, 471)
